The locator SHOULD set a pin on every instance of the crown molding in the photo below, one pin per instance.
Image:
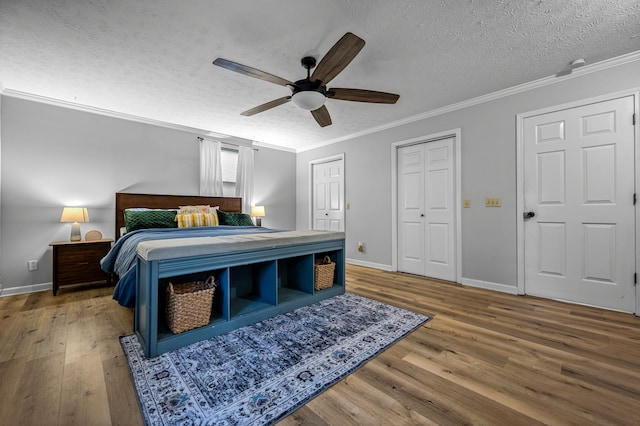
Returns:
(587, 69)
(100, 111)
(114, 114)
(545, 81)
(279, 148)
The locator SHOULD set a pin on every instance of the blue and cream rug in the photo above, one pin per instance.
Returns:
(262, 372)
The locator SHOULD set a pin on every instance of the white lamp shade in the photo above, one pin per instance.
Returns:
(309, 100)
(257, 211)
(74, 214)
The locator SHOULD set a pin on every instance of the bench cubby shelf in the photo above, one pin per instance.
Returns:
(252, 285)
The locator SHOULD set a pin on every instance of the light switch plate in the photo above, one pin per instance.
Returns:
(492, 202)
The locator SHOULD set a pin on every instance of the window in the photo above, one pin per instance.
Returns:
(229, 160)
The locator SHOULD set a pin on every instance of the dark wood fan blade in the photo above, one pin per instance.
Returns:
(359, 95)
(251, 72)
(268, 105)
(338, 57)
(322, 116)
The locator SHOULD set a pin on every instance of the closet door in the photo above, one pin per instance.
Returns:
(411, 207)
(328, 195)
(426, 214)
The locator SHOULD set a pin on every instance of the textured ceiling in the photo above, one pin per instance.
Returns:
(152, 58)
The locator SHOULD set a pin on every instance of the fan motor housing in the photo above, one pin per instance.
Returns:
(306, 85)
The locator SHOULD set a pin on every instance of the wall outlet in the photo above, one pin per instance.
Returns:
(32, 265)
(361, 247)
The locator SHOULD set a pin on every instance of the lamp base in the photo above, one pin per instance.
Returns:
(258, 221)
(75, 232)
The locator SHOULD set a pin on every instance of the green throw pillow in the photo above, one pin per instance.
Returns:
(234, 219)
(153, 218)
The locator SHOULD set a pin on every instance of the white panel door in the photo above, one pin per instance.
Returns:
(320, 183)
(426, 209)
(439, 210)
(579, 184)
(328, 195)
(411, 202)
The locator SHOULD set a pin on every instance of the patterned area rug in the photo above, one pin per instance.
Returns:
(260, 373)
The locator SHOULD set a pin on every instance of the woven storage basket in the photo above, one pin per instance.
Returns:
(189, 304)
(324, 269)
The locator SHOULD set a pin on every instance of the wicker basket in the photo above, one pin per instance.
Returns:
(324, 269)
(189, 304)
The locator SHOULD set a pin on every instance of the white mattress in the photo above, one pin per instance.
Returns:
(188, 247)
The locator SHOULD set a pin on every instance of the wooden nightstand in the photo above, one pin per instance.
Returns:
(77, 262)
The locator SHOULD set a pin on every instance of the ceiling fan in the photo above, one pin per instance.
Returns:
(311, 92)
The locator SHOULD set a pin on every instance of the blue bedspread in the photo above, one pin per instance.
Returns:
(121, 259)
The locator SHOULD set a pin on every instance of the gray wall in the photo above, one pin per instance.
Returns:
(275, 187)
(53, 156)
(1, 280)
(488, 170)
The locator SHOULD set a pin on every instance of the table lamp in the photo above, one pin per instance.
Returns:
(75, 215)
(258, 213)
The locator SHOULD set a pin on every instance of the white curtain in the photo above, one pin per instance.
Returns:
(244, 178)
(210, 168)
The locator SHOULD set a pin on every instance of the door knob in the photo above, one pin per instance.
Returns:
(528, 215)
(421, 214)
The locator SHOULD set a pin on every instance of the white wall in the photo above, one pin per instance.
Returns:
(488, 170)
(53, 156)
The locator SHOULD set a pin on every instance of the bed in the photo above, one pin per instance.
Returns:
(121, 260)
(126, 200)
(260, 272)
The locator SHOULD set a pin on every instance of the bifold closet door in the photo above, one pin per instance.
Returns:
(426, 209)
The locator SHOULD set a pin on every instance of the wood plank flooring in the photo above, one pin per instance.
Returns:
(486, 358)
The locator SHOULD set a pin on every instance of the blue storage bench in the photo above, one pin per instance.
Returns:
(258, 276)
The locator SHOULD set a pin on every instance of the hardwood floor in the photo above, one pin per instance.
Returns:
(486, 358)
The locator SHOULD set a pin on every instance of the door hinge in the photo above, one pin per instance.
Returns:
(634, 118)
(635, 278)
(635, 199)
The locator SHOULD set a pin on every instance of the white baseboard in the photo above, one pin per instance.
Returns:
(33, 288)
(12, 291)
(503, 288)
(370, 264)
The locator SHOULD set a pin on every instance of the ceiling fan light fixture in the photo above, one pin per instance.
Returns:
(309, 100)
(310, 93)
